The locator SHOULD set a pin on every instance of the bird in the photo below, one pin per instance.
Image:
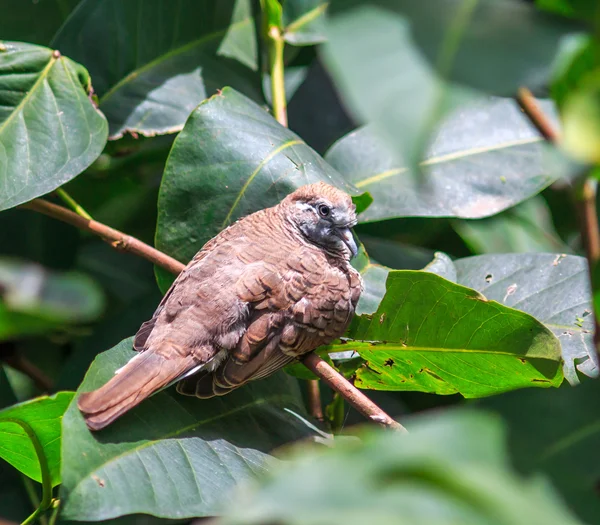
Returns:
(271, 287)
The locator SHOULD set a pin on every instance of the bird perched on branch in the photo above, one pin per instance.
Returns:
(271, 287)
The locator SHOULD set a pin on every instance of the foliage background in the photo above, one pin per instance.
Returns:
(452, 165)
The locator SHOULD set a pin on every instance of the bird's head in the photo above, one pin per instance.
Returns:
(324, 215)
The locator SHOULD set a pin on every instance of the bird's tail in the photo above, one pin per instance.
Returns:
(143, 375)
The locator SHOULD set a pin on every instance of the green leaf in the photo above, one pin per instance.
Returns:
(415, 61)
(33, 301)
(49, 130)
(527, 227)
(35, 22)
(483, 160)
(159, 59)
(431, 335)
(30, 434)
(231, 159)
(552, 287)
(449, 470)
(304, 22)
(556, 432)
(174, 456)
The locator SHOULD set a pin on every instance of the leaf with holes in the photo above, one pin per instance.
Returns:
(484, 159)
(30, 436)
(174, 456)
(49, 130)
(231, 159)
(431, 335)
(158, 60)
(552, 287)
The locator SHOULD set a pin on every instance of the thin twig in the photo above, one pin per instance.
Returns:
(23, 365)
(314, 399)
(536, 115)
(121, 241)
(276, 46)
(585, 195)
(350, 393)
(73, 204)
(117, 239)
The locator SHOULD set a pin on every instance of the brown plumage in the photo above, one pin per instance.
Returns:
(271, 287)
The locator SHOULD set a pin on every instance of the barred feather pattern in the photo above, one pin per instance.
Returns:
(254, 298)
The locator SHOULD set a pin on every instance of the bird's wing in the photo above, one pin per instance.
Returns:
(200, 315)
(295, 306)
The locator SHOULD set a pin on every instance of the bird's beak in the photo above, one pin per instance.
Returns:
(348, 239)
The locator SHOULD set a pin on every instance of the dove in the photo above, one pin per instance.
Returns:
(268, 289)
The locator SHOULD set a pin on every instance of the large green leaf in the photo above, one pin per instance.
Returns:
(552, 287)
(431, 335)
(32, 301)
(451, 469)
(49, 130)
(484, 159)
(160, 58)
(416, 60)
(30, 436)
(231, 159)
(174, 456)
(527, 227)
(557, 432)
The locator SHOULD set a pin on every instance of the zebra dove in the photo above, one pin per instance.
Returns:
(271, 287)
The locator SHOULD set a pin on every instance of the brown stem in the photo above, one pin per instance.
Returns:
(350, 393)
(314, 399)
(121, 241)
(585, 194)
(536, 115)
(117, 239)
(23, 365)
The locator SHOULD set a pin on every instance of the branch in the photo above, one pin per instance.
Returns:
(121, 241)
(585, 195)
(23, 365)
(117, 239)
(349, 392)
(536, 115)
(314, 399)
(11, 356)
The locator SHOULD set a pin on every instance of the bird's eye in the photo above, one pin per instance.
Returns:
(324, 210)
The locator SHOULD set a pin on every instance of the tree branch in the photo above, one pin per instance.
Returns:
(124, 242)
(117, 239)
(11, 356)
(585, 195)
(536, 115)
(349, 392)
(314, 399)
